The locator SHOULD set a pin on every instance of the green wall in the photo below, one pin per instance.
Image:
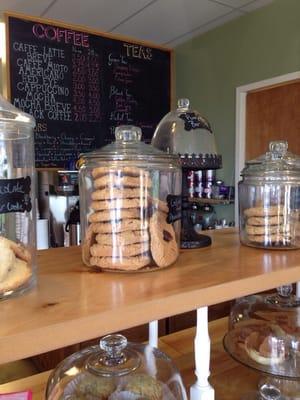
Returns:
(257, 46)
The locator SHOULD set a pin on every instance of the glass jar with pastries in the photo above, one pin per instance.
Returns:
(130, 205)
(116, 370)
(269, 200)
(264, 334)
(17, 201)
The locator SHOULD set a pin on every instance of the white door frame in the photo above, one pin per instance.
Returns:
(240, 123)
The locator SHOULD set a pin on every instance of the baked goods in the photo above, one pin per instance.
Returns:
(87, 386)
(115, 215)
(125, 263)
(261, 341)
(14, 265)
(271, 226)
(127, 228)
(118, 193)
(123, 238)
(164, 248)
(265, 348)
(98, 250)
(146, 386)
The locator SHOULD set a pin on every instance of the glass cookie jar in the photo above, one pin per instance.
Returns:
(130, 205)
(116, 370)
(269, 200)
(17, 201)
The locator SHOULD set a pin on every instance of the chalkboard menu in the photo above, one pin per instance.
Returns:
(80, 85)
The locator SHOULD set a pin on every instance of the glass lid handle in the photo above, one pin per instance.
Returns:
(285, 290)
(278, 149)
(128, 133)
(269, 392)
(113, 346)
(183, 103)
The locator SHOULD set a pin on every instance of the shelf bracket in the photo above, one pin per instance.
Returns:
(201, 389)
(153, 333)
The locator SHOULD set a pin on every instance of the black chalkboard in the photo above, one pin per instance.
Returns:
(14, 195)
(80, 85)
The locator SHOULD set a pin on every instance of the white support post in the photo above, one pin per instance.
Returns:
(298, 289)
(153, 333)
(201, 390)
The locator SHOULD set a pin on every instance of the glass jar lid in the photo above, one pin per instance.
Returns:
(276, 164)
(11, 114)
(128, 146)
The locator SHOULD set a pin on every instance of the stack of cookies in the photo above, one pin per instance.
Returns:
(268, 226)
(123, 218)
(15, 263)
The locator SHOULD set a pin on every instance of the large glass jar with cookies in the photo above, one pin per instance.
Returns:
(17, 201)
(269, 200)
(130, 205)
(116, 370)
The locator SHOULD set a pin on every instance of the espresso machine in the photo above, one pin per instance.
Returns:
(185, 132)
(58, 201)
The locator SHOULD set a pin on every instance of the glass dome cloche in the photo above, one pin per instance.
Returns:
(181, 120)
(116, 370)
(185, 132)
(264, 333)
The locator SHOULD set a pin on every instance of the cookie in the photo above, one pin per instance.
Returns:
(145, 386)
(264, 211)
(99, 250)
(94, 387)
(122, 181)
(164, 247)
(118, 204)
(7, 261)
(115, 193)
(159, 205)
(87, 243)
(265, 221)
(115, 215)
(119, 226)
(124, 263)
(17, 248)
(267, 229)
(129, 171)
(269, 239)
(263, 348)
(16, 277)
(123, 238)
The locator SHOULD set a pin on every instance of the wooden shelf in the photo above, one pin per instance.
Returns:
(72, 304)
(210, 201)
(230, 379)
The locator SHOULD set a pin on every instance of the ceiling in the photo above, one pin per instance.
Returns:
(167, 22)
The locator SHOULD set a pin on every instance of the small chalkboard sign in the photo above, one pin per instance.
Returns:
(15, 195)
(79, 85)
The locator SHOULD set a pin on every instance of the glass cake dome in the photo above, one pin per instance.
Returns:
(264, 333)
(116, 370)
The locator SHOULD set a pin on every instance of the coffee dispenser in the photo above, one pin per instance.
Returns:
(185, 132)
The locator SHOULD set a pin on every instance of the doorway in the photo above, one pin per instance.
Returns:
(266, 110)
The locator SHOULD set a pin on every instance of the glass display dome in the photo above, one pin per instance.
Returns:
(184, 131)
(116, 370)
(264, 333)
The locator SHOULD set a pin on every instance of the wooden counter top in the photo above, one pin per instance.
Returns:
(72, 304)
(229, 378)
